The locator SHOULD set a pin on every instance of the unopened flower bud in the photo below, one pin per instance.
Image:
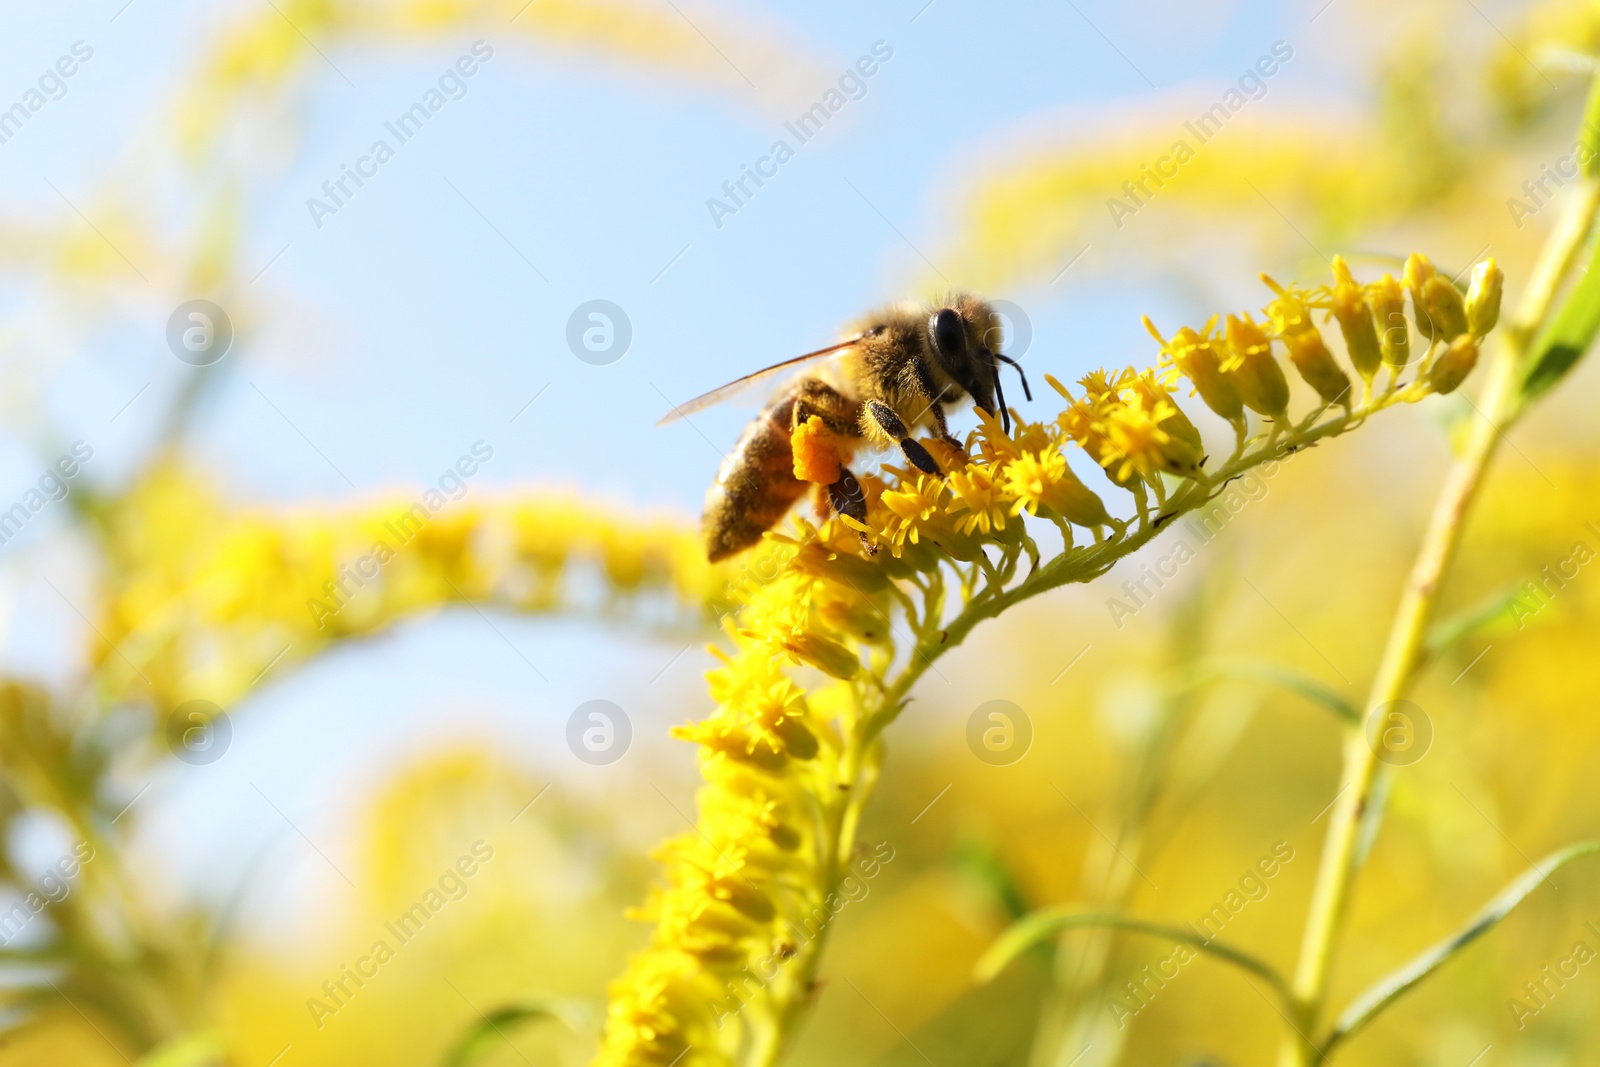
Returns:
(1444, 308)
(1419, 270)
(1317, 366)
(828, 656)
(1454, 364)
(1355, 323)
(1483, 297)
(1197, 357)
(1388, 303)
(1253, 371)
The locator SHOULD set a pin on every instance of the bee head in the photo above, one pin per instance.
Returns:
(960, 338)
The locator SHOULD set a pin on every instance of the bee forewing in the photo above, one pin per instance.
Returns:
(721, 393)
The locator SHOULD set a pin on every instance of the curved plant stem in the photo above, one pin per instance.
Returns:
(1039, 926)
(1406, 645)
(1239, 668)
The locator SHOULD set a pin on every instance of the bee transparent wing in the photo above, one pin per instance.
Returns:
(718, 395)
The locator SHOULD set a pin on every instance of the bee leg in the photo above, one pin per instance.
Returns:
(822, 504)
(846, 497)
(887, 421)
(944, 427)
(838, 413)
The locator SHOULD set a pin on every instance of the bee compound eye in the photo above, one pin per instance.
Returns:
(949, 337)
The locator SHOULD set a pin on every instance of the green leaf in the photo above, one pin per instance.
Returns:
(1589, 132)
(1367, 1006)
(1570, 332)
(1449, 632)
(1023, 935)
(491, 1029)
(1232, 668)
(980, 861)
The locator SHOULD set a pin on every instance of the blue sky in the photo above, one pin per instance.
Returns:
(433, 307)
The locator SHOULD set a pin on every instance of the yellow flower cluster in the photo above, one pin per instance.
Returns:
(750, 892)
(742, 901)
(261, 52)
(202, 598)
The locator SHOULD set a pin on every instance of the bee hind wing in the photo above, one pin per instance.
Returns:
(724, 392)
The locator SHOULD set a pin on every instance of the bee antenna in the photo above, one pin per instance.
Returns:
(1007, 359)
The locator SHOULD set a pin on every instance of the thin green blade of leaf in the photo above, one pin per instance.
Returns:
(1559, 346)
(1233, 668)
(982, 863)
(491, 1030)
(1449, 632)
(1023, 935)
(1372, 817)
(1367, 1006)
(1589, 131)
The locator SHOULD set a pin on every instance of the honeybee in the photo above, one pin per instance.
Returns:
(895, 372)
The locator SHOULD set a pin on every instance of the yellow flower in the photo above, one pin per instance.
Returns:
(1198, 357)
(1148, 387)
(1389, 308)
(1483, 297)
(913, 507)
(1350, 306)
(1454, 364)
(1291, 321)
(979, 494)
(1081, 421)
(1044, 480)
(1251, 368)
(1419, 271)
(1140, 443)
(994, 444)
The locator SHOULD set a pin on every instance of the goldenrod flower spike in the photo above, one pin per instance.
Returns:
(208, 595)
(750, 894)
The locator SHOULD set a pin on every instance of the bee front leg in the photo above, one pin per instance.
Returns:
(943, 427)
(936, 407)
(884, 418)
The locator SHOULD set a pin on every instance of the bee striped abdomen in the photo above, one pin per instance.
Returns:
(755, 485)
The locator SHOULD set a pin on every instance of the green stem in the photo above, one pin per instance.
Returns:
(1406, 645)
